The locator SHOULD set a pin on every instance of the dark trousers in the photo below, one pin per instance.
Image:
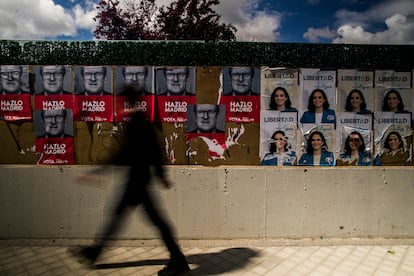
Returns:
(132, 198)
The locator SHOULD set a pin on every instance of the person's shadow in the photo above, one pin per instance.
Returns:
(206, 264)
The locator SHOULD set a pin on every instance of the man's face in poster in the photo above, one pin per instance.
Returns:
(241, 79)
(136, 77)
(93, 79)
(52, 78)
(54, 122)
(206, 117)
(11, 78)
(176, 80)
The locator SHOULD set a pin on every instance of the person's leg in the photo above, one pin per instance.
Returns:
(92, 252)
(177, 262)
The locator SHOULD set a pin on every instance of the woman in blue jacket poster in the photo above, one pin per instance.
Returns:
(317, 153)
(318, 109)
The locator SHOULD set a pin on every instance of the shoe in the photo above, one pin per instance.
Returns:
(174, 267)
(87, 255)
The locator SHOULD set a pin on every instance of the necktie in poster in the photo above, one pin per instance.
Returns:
(93, 94)
(141, 81)
(15, 103)
(53, 115)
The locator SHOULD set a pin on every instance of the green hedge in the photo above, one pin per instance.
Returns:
(294, 55)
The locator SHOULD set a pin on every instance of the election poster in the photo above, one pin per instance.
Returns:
(356, 91)
(278, 138)
(140, 80)
(93, 94)
(240, 93)
(15, 102)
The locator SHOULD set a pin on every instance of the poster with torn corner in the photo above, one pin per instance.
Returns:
(205, 135)
(272, 78)
(393, 142)
(355, 91)
(278, 138)
(393, 91)
(328, 132)
(354, 139)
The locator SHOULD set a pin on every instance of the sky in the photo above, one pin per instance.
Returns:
(292, 21)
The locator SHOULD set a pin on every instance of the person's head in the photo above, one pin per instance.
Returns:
(11, 78)
(176, 80)
(355, 101)
(52, 78)
(393, 141)
(279, 142)
(353, 142)
(316, 141)
(54, 122)
(136, 77)
(93, 79)
(317, 99)
(279, 99)
(206, 117)
(241, 79)
(392, 101)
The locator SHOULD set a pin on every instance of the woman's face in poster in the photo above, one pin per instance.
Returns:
(356, 100)
(280, 98)
(317, 142)
(394, 142)
(392, 100)
(280, 142)
(318, 99)
(354, 142)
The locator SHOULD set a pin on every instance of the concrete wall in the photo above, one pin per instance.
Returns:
(216, 202)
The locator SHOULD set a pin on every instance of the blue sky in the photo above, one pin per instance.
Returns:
(298, 21)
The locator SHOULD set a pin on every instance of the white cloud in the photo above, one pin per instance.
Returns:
(399, 30)
(40, 19)
(314, 35)
(362, 27)
(251, 23)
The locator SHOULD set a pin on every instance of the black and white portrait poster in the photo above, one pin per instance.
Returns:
(356, 91)
(278, 138)
(279, 89)
(140, 79)
(15, 102)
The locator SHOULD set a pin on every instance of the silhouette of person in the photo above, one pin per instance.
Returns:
(139, 152)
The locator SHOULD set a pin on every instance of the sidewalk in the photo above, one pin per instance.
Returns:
(216, 257)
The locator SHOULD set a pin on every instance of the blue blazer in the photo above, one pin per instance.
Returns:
(364, 158)
(328, 117)
(270, 159)
(327, 159)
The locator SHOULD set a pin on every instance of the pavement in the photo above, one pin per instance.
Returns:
(216, 257)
